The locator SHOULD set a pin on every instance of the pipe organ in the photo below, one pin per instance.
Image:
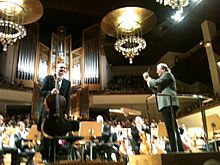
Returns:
(43, 62)
(61, 49)
(91, 54)
(26, 57)
(76, 66)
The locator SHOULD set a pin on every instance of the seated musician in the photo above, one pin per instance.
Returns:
(7, 142)
(187, 147)
(103, 145)
(115, 134)
(125, 148)
(140, 127)
(24, 145)
(2, 127)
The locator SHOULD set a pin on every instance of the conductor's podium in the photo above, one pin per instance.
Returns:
(203, 158)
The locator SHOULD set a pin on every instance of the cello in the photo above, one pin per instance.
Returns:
(55, 123)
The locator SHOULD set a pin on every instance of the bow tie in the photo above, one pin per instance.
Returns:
(59, 78)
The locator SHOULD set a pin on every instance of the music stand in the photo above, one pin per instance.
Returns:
(213, 124)
(90, 129)
(162, 131)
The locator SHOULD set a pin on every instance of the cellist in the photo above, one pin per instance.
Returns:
(48, 88)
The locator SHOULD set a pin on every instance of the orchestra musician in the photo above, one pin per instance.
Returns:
(7, 143)
(139, 128)
(166, 84)
(48, 88)
(2, 127)
(104, 141)
(23, 144)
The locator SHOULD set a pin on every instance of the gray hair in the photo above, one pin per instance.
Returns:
(164, 66)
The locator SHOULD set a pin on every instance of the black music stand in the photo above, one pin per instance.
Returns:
(90, 129)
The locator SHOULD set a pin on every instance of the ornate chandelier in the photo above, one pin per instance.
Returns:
(128, 24)
(14, 14)
(10, 32)
(10, 23)
(129, 42)
(179, 4)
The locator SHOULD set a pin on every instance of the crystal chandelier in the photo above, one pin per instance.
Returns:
(11, 28)
(130, 42)
(179, 4)
(128, 24)
(129, 35)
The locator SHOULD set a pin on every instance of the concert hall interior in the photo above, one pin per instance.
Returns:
(104, 62)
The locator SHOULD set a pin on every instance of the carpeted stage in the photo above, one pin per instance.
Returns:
(203, 158)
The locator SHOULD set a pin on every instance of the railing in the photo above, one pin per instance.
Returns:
(201, 100)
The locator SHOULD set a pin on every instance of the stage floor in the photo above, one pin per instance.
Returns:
(203, 158)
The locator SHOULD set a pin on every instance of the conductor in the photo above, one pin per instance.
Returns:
(166, 86)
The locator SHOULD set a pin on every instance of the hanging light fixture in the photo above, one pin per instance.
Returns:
(179, 4)
(126, 24)
(14, 14)
(130, 42)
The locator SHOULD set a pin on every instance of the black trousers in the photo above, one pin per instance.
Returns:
(101, 149)
(29, 154)
(15, 157)
(166, 113)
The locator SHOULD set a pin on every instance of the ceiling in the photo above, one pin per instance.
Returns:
(166, 36)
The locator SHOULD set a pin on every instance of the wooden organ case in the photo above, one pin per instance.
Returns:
(84, 66)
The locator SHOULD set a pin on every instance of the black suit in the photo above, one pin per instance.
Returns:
(166, 84)
(47, 86)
